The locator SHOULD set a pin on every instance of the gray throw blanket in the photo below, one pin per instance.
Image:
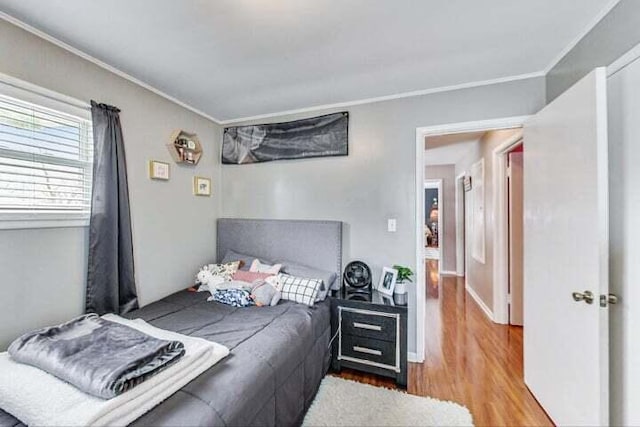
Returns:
(99, 357)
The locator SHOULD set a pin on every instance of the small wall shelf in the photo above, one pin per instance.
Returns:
(185, 147)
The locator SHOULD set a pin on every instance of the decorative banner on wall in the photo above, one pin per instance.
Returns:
(321, 136)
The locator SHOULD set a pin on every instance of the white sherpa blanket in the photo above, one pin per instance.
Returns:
(38, 398)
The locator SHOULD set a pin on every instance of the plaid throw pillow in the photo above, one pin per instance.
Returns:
(298, 289)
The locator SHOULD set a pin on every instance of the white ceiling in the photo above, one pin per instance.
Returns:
(240, 58)
(450, 149)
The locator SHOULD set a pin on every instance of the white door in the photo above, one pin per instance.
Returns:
(566, 362)
(516, 274)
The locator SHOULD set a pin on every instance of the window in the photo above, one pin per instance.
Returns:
(46, 156)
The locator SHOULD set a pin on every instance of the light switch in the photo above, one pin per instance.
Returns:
(391, 225)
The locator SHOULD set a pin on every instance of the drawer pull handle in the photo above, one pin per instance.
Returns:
(367, 350)
(367, 326)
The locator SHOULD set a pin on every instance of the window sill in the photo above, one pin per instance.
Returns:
(18, 221)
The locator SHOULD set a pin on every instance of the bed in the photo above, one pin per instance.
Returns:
(278, 355)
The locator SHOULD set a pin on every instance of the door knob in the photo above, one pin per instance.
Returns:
(586, 296)
(608, 299)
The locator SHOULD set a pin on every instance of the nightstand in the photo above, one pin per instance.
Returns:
(370, 334)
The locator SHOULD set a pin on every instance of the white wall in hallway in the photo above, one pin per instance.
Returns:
(480, 275)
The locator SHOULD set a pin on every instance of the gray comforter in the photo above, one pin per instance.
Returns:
(278, 358)
(99, 357)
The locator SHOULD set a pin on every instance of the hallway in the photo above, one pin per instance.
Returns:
(469, 359)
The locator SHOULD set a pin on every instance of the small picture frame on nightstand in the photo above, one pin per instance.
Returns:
(387, 282)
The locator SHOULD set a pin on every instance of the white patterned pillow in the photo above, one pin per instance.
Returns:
(225, 271)
(298, 289)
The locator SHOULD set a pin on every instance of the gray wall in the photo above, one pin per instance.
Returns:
(377, 180)
(480, 275)
(447, 173)
(614, 35)
(42, 272)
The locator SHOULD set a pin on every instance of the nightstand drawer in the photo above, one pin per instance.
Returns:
(363, 350)
(370, 324)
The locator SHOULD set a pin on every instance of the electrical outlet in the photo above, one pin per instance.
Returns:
(391, 225)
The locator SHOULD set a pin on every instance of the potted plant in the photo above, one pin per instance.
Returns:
(404, 276)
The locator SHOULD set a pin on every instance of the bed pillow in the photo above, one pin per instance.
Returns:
(258, 267)
(298, 289)
(232, 297)
(212, 275)
(299, 270)
(224, 270)
(250, 276)
(245, 260)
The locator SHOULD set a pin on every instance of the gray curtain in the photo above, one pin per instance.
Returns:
(110, 275)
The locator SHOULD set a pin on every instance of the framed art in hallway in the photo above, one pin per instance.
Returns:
(387, 282)
(201, 186)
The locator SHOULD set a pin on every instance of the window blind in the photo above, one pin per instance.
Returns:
(46, 160)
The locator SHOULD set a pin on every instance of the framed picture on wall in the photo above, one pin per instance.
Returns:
(201, 186)
(158, 170)
(387, 282)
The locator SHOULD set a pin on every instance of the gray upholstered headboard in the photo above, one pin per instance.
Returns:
(313, 243)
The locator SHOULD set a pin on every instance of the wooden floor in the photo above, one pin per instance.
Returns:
(469, 359)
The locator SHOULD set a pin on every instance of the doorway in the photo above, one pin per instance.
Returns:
(566, 245)
(515, 233)
(508, 205)
(433, 220)
(461, 262)
(421, 273)
(461, 308)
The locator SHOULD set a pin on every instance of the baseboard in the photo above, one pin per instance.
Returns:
(448, 273)
(479, 301)
(413, 357)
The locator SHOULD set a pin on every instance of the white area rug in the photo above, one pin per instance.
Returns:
(348, 403)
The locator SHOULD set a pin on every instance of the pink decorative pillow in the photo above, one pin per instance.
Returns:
(249, 276)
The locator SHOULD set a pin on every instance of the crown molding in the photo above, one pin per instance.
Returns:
(120, 73)
(101, 64)
(590, 26)
(627, 58)
(388, 97)
(345, 104)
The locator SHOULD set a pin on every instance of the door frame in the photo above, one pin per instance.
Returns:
(421, 134)
(437, 184)
(501, 236)
(461, 263)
